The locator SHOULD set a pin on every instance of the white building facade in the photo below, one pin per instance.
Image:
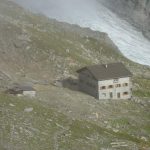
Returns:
(120, 88)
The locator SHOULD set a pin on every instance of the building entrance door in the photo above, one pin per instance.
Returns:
(111, 95)
(118, 95)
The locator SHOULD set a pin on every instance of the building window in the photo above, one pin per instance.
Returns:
(103, 88)
(118, 85)
(111, 95)
(125, 84)
(118, 95)
(104, 94)
(110, 86)
(116, 80)
(125, 93)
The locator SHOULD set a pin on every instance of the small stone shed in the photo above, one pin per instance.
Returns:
(20, 90)
(107, 81)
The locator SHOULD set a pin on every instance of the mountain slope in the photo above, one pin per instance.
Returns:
(37, 50)
(33, 45)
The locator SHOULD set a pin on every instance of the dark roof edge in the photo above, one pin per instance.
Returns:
(92, 74)
(80, 70)
(87, 68)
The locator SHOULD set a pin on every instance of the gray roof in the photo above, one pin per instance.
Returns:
(109, 71)
(23, 88)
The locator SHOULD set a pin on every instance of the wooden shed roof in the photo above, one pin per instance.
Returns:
(22, 88)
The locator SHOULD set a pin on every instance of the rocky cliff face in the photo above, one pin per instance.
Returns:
(137, 12)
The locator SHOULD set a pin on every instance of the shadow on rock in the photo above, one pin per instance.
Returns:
(70, 83)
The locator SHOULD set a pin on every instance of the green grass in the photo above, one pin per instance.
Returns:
(143, 89)
(38, 129)
(141, 93)
(121, 122)
(44, 127)
(26, 127)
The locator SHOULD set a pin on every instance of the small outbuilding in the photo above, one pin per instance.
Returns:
(107, 81)
(20, 90)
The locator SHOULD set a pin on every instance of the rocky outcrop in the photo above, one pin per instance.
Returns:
(137, 12)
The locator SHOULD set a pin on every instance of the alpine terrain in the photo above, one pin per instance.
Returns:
(39, 51)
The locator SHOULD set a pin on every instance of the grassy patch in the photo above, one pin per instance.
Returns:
(142, 87)
(142, 93)
(44, 128)
(121, 122)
